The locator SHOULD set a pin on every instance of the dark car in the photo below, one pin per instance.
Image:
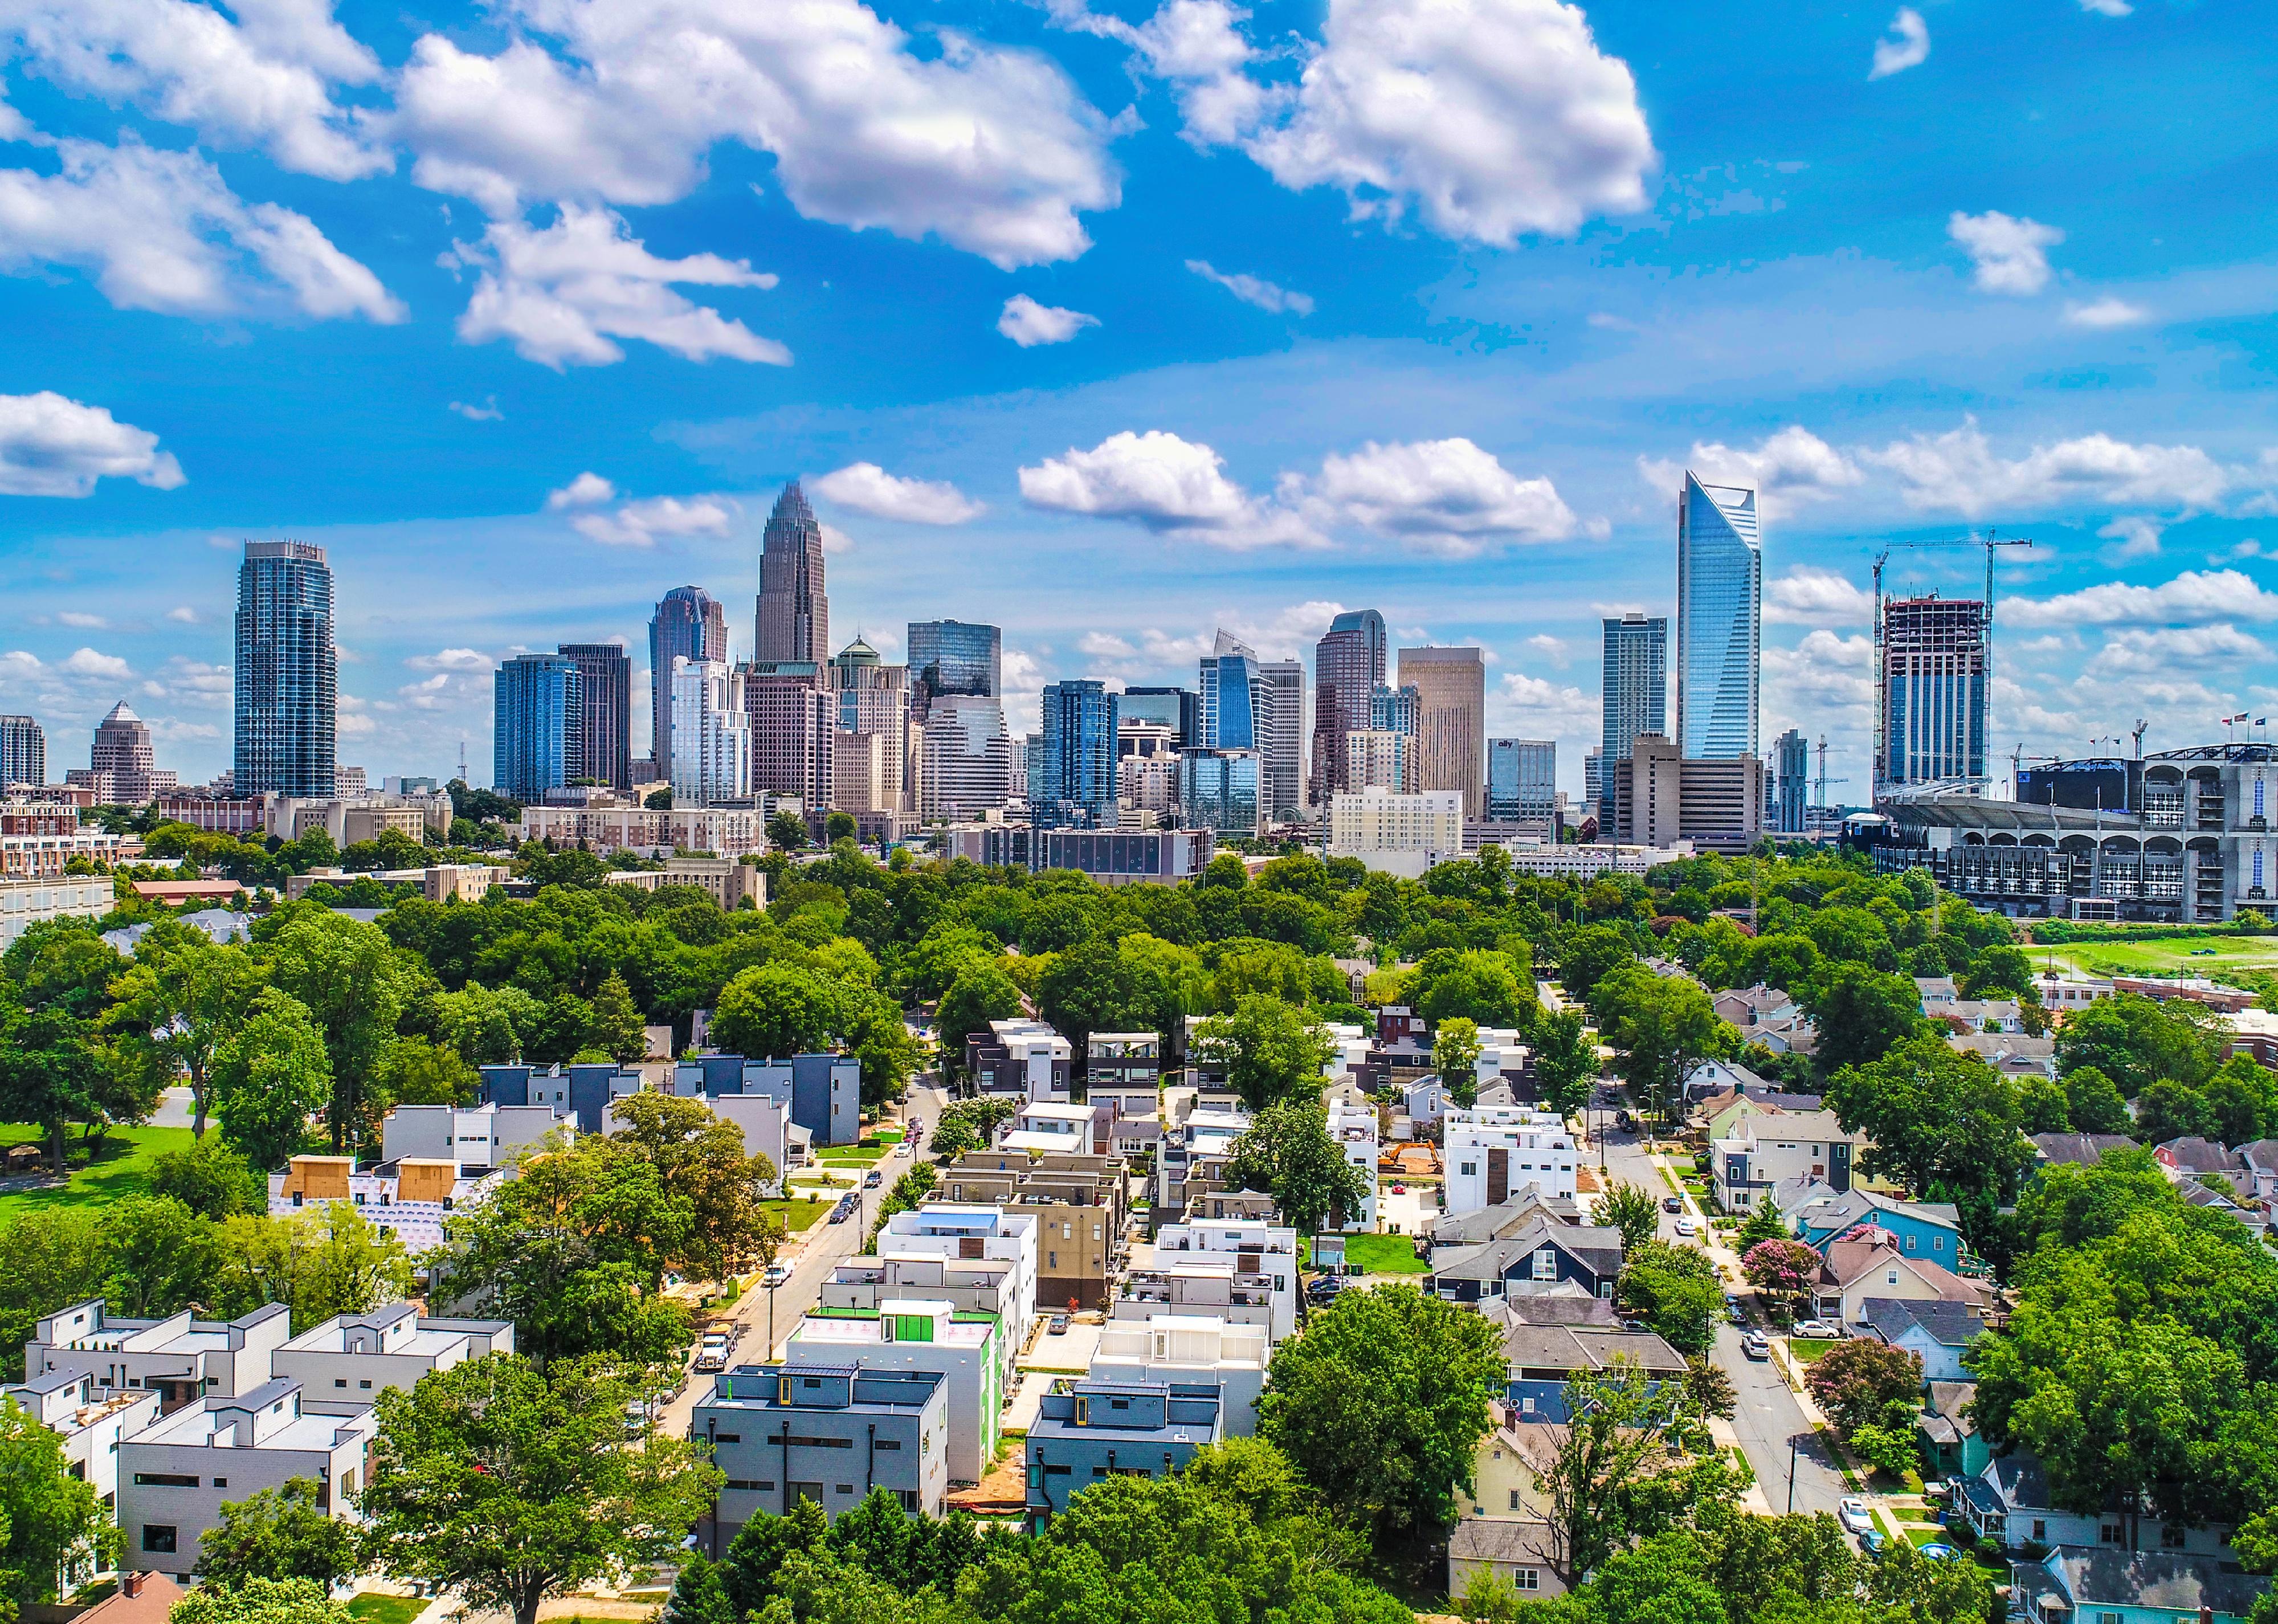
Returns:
(1672, 1204)
(1325, 1290)
(872, 1179)
(844, 1210)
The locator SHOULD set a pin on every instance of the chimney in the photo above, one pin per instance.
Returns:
(130, 1585)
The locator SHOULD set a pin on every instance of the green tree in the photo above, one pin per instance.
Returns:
(1380, 1403)
(981, 993)
(1590, 953)
(414, 1071)
(278, 1534)
(2093, 1104)
(259, 1601)
(1632, 1209)
(1665, 1027)
(50, 1257)
(701, 1167)
(181, 1000)
(1480, 984)
(2042, 1107)
(50, 1521)
(1456, 1057)
(839, 826)
(1677, 1291)
(343, 1263)
(273, 1074)
(1936, 1117)
(1999, 969)
(1859, 1013)
(773, 1010)
(52, 1073)
(350, 980)
(2172, 1110)
(616, 1024)
(209, 1178)
(1271, 1051)
(157, 1257)
(1565, 1061)
(1765, 1222)
(509, 1485)
(786, 833)
(1286, 1150)
(2138, 1041)
(969, 1124)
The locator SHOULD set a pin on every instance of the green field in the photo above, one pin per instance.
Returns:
(2167, 955)
(122, 1170)
(851, 1154)
(1384, 1254)
(1804, 1349)
(796, 1216)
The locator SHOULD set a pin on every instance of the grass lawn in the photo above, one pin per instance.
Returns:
(372, 1607)
(796, 1216)
(851, 1152)
(2167, 955)
(124, 1170)
(1385, 1254)
(1920, 1536)
(1804, 1349)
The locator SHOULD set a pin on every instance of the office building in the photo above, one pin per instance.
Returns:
(1377, 758)
(1397, 710)
(873, 697)
(538, 731)
(1369, 823)
(1594, 795)
(1634, 693)
(23, 752)
(827, 1433)
(1660, 797)
(287, 672)
(1348, 669)
(952, 657)
(34, 901)
(1930, 693)
(122, 769)
(689, 625)
(1227, 695)
(1178, 709)
(710, 733)
(794, 718)
(1791, 781)
(1278, 705)
(793, 621)
(866, 773)
(605, 675)
(1522, 780)
(1219, 791)
(1720, 613)
(1072, 767)
(1451, 721)
(967, 758)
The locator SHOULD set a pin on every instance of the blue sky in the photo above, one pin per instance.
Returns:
(1115, 323)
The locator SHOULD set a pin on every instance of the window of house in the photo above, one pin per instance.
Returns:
(340, 1381)
(2109, 1533)
(1528, 1579)
(1910, 1242)
(1514, 1500)
(1893, 1276)
(158, 1537)
(2040, 1531)
(2172, 1537)
(221, 1482)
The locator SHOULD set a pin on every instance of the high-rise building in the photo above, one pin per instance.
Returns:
(1278, 704)
(1348, 669)
(793, 716)
(1595, 795)
(121, 768)
(689, 625)
(1180, 709)
(1146, 763)
(1635, 695)
(537, 733)
(1395, 709)
(1930, 692)
(1720, 613)
(605, 677)
(1660, 797)
(287, 672)
(1451, 721)
(1522, 780)
(968, 758)
(874, 701)
(23, 752)
(1072, 774)
(710, 733)
(1218, 790)
(1377, 758)
(793, 622)
(1229, 694)
(954, 657)
(1791, 780)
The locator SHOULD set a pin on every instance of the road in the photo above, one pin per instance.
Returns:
(1766, 1418)
(826, 1246)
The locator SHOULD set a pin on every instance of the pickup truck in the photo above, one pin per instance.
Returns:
(712, 1353)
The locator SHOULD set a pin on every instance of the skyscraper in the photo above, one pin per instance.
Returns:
(954, 657)
(1230, 703)
(1720, 613)
(537, 733)
(23, 752)
(711, 736)
(287, 672)
(1218, 790)
(689, 625)
(121, 767)
(968, 758)
(1635, 695)
(1278, 710)
(1451, 721)
(1072, 771)
(1791, 780)
(1348, 669)
(1929, 697)
(873, 701)
(606, 683)
(1522, 780)
(793, 716)
(794, 612)
(1180, 709)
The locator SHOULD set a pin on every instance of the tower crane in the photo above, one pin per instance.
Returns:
(1990, 541)
(1820, 783)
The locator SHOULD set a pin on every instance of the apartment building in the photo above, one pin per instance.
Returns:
(970, 1249)
(1264, 1256)
(1079, 1204)
(1123, 1060)
(1354, 1128)
(181, 1358)
(1022, 1059)
(483, 1136)
(92, 1420)
(1492, 1150)
(1050, 1127)
(919, 1334)
(345, 1364)
(1193, 1155)
(825, 1433)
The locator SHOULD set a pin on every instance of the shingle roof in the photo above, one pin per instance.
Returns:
(2083, 1149)
(1949, 1325)
(2172, 1581)
(2196, 1155)
(1499, 1539)
(1567, 1348)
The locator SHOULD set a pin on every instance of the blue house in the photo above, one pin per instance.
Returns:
(586, 1090)
(1935, 1331)
(1087, 1431)
(1820, 1215)
(822, 1093)
(2097, 1584)
(1544, 1357)
(1948, 1435)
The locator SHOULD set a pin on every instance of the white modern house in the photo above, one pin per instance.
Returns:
(953, 1249)
(483, 1135)
(92, 1420)
(1190, 1350)
(345, 1364)
(1355, 1130)
(1262, 1255)
(181, 1358)
(1491, 1151)
(921, 1334)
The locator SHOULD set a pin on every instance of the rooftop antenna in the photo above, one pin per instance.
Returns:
(2141, 723)
(463, 761)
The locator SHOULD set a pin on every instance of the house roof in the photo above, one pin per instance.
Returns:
(1950, 1401)
(1504, 1218)
(2015, 1482)
(1568, 1347)
(2172, 1581)
(1850, 1259)
(1949, 1325)
(2196, 1155)
(2260, 1155)
(1499, 1539)
(1561, 1302)
(1596, 1247)
(141, 1598)
(2081, 1149)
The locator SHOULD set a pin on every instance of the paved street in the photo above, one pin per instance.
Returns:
(1767, 1418)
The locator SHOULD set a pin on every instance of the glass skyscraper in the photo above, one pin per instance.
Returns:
(1218, 790)
(1229, 704)
(23, 752)
(287, 672)
(538, 735)
(1720, 614)
(952, 657)
(689, 625)
(1522, 780)
(607, 677)
(1635, 695)
(1176, 709)
(1072, 769)
(1348, 669)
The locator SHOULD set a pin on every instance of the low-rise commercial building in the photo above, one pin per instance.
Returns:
(26, 902)
(825, 1433)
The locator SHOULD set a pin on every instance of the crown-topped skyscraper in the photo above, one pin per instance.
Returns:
(794, 613)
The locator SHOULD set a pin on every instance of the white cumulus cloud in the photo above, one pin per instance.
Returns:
(561, 295)
(2195, 597)
(2011, 254)
(90, 662)
(1810, 596)
(1255, 290)
(451, 660)
(1175, 486)
(640, 523)
(1960, 471)
(2137, 535)
(1534, 707)
(1447, 495)
(993, 151)
(868, 488)
(161, 231)
(1789, 469)
(2155, 651)
(50, 446)
(584, 491)
(1029, 324)
(2108, 8)
(1905, 46)
(488, 412)
(2109, 312)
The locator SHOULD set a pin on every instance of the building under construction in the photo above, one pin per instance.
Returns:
(1930, 680)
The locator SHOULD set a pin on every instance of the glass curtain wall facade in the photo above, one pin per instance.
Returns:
(689, 625)
(1176, 709)
(287, 672)
(1278, 705)
(1218, 790)
(794, 618)
(1072, 770)
(1634, 696)
(537, 732)
(951, 657)
(1347, 670)
(607, 675)
(1931, 725)
(1522, 780)
(1229, 703)
(1719, 619)
(1791, 780)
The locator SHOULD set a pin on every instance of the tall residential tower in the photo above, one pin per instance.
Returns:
(1634, 694)
(538, 734)
(689, 625)
(287, 672)
(1930, 692)
(606, 714)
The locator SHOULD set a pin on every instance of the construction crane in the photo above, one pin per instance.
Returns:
(1820, 784)
(1990, 541)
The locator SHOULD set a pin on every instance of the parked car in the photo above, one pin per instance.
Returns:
(1685, 1226)
(1400, 1190)
(1672, 1204)
(1818, 1330)
(844, 1210)
(1852, 1513)
(1325, 1290)
(1058, 1325)
(1755, 1345)
(872, 1179)
(1874, 1542)
(776, 1275)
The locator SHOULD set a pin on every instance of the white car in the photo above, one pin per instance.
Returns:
(1685, 1226)
(1818, 1330)
(1852, 1515)
(776, 1275)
